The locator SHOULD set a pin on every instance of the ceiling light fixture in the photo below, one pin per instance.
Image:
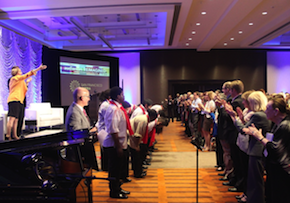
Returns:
(232, 38)
(84, 30)
(225, 44)
(197, 24)
(203, 13)
(251, 23)
(111, 25)
(264, 13)
(193, 32)
(190, 38)
(65, 38)
(187, 44)
(240, 32)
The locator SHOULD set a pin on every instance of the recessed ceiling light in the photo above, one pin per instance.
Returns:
(240, 32)
(193, 32)
(203, 13)
(197, 23)
(225, 44)
(251, 23)
(190, 38)
(187, 44)
(264, 13)
(232, 38)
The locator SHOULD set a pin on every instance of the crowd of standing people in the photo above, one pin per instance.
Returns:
(252, 134)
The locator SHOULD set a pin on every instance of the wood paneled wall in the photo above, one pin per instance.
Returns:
(160, 66)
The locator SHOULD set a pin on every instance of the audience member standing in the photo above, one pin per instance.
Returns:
(219, 150)
(207, 109)
(170, 108)
(255, 182)
(176, 104)
(236, 90)
(195, 114)
(277, 144)
(243, 142)
(223, 133)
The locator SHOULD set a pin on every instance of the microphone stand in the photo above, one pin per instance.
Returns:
(197, 144)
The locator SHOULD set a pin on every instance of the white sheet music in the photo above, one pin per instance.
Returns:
(269, 136)
(43, 133)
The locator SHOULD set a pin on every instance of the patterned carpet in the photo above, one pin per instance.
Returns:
(171, 178)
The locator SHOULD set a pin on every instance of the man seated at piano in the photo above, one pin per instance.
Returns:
(77, 119)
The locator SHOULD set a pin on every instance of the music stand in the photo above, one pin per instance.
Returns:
(197, 144)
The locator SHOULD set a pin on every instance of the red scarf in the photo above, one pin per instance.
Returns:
(126, 116)
(145, 138)
(152, 136)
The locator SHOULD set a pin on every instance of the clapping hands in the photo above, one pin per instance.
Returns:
(230, 109)
(251, 130)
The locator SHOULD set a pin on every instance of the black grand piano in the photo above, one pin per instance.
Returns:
(34, 169)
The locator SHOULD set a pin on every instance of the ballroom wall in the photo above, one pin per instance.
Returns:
(278, 71)
(129, 75)
(16, 50)
(160, 66)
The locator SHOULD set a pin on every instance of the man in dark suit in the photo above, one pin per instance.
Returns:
(223, 130)
(77, 119)
(170, 107)
(238, 157)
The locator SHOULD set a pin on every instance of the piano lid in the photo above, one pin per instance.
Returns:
(58, 139)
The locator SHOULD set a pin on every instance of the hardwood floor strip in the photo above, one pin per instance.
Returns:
(162, 197)
(174, 149)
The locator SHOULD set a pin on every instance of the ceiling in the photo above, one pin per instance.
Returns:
(98, 25)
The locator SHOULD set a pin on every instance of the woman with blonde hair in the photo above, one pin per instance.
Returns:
(208, 108)
(17, 92)
(255, 182)
(277, 143)
(243, 143)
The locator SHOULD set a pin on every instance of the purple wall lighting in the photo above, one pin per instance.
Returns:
(16, 50)
(129, 75)
(278, 71)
